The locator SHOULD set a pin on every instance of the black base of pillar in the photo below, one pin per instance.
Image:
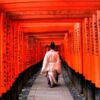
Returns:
(97, 93)
(90, 88)
(13, 93)
(6, 96)
(84, 86)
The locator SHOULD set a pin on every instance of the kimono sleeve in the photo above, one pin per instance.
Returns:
(58, 64)
(44, 65)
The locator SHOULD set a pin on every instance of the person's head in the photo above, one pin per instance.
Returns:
(52, 45)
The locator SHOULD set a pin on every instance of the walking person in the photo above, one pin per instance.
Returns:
(51, 67)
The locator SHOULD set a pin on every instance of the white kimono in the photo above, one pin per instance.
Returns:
(51, 64)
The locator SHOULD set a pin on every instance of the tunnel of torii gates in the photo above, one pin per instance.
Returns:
(28, 26)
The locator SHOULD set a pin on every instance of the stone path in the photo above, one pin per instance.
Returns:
(41, 91)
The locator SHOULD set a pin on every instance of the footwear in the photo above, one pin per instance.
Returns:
(55, 85)
(48, 80)
(49, 83)
(51, 86)
(57, 78)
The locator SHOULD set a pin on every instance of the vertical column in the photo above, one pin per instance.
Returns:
(84, 23)
(37, 50)
(27, 52)
(91, 49)
(69, 49)
(86, 45)
(11, 53)
(77, 48)
(97, 70)
(23, 51)
(96, 53)
(72, 50)
(1, 33)
(34, 51)
(98, 50)
(31, 49)
(62, 50)
(16, 50)
(20, 56)
(4, 65)
(65, 46)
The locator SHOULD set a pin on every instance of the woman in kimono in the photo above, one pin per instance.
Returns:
(51, 65)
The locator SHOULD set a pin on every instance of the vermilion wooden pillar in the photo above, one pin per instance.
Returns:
(98, 39)
(41, 48)
(21, 67)
(65, 47)
(97, 90)
(62, 50)
(16, 50)
(84, 44)
(96, 49)
(37, 51)
(91, 49)
(77, 48)
(10, 53)
(86, 50)
(72, 49)
(47, 48)
(3, 54)
(34, 51)
(69, 49)
(0, 54)
(23, 51)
